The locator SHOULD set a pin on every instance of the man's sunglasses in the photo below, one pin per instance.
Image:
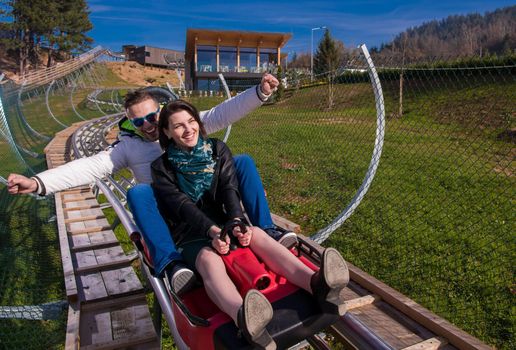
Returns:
(151, 118)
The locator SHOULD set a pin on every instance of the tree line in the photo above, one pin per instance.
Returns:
(472, 35)
(29, 27)
(455, 36)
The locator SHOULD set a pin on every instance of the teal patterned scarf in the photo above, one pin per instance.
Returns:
(194, 169)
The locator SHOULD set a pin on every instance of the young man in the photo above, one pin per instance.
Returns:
(136, 148)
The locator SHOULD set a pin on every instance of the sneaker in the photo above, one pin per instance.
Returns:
(179, 278)
(329, 281)
(287, 239)
(253, 316)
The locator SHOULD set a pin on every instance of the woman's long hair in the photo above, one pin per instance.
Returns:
(164, 116)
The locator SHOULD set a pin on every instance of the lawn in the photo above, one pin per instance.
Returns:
(30, 262)
(438, 221)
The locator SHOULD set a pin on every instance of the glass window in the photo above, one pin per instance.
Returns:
(206, 58)
(248, 59)
(268, 58)
(227, 59)
(208, 85)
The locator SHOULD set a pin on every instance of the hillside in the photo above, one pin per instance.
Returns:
(458, 35)
(135, 73)
(131, 72)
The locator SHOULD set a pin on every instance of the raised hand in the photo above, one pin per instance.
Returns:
(269, 84)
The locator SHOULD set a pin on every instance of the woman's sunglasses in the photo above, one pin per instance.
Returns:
(151, 118)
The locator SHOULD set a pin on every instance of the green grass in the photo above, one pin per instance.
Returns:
(30, 263)
(437, 223)
(31, 271)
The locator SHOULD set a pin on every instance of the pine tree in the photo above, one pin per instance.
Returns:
(327, 57)
(19, 16)
(69, 36)
(59, 24)
(74, 24)
(327, 60)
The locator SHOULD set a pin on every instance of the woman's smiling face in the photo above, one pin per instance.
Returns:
(183, 129)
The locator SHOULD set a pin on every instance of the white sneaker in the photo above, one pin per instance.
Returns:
(179, 278)
(287, 239)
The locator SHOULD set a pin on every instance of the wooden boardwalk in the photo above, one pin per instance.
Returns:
(107, 304)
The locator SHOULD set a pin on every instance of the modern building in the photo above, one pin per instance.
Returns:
(154, 56)
(241, 56)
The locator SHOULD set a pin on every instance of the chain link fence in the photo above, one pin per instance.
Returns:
(435, 219)
(32, 297)
(437, 222)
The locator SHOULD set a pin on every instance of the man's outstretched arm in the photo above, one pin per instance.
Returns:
(79, 172)
(234, 109)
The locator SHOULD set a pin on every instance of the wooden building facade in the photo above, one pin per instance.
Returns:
(241, 56)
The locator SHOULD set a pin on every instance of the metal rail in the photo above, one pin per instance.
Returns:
(83, 147)
(354, 333)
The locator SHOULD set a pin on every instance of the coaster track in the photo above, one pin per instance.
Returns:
(378, 316)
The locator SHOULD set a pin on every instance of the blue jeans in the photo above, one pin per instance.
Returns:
(155, 231)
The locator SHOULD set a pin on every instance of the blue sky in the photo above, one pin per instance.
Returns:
(164, 23)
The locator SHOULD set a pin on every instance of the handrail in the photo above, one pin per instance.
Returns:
(324, 233)
(41, 77)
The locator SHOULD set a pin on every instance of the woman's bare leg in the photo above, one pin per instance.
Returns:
(280, 260)
(218, 285)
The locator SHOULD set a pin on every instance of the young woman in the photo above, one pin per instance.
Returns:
(197, 192)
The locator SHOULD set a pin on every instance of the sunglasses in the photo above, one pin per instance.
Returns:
(151, 118)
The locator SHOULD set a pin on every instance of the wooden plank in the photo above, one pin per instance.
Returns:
(111, 254)
(66, 257)
(406, 321)
(89, 230)
(429, 344)
(133, 320)
(102, 236)
(81, 203)
(92, 287)
(359, 302)
(95, 328)
(101, 267)
(78, 199)
(119, 302)
(81, 189)
(72, 327)
(91, 246)
(126, 343)
(386, 327)
(121, 281)
(84, 218)
(81, 207)
(80, 195)
(285, 223)
(85, 258)
(78, 240)
(77, 214)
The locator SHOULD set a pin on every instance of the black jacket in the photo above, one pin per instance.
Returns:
(188, 220)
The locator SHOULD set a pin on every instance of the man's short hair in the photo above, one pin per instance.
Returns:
(134, 97)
